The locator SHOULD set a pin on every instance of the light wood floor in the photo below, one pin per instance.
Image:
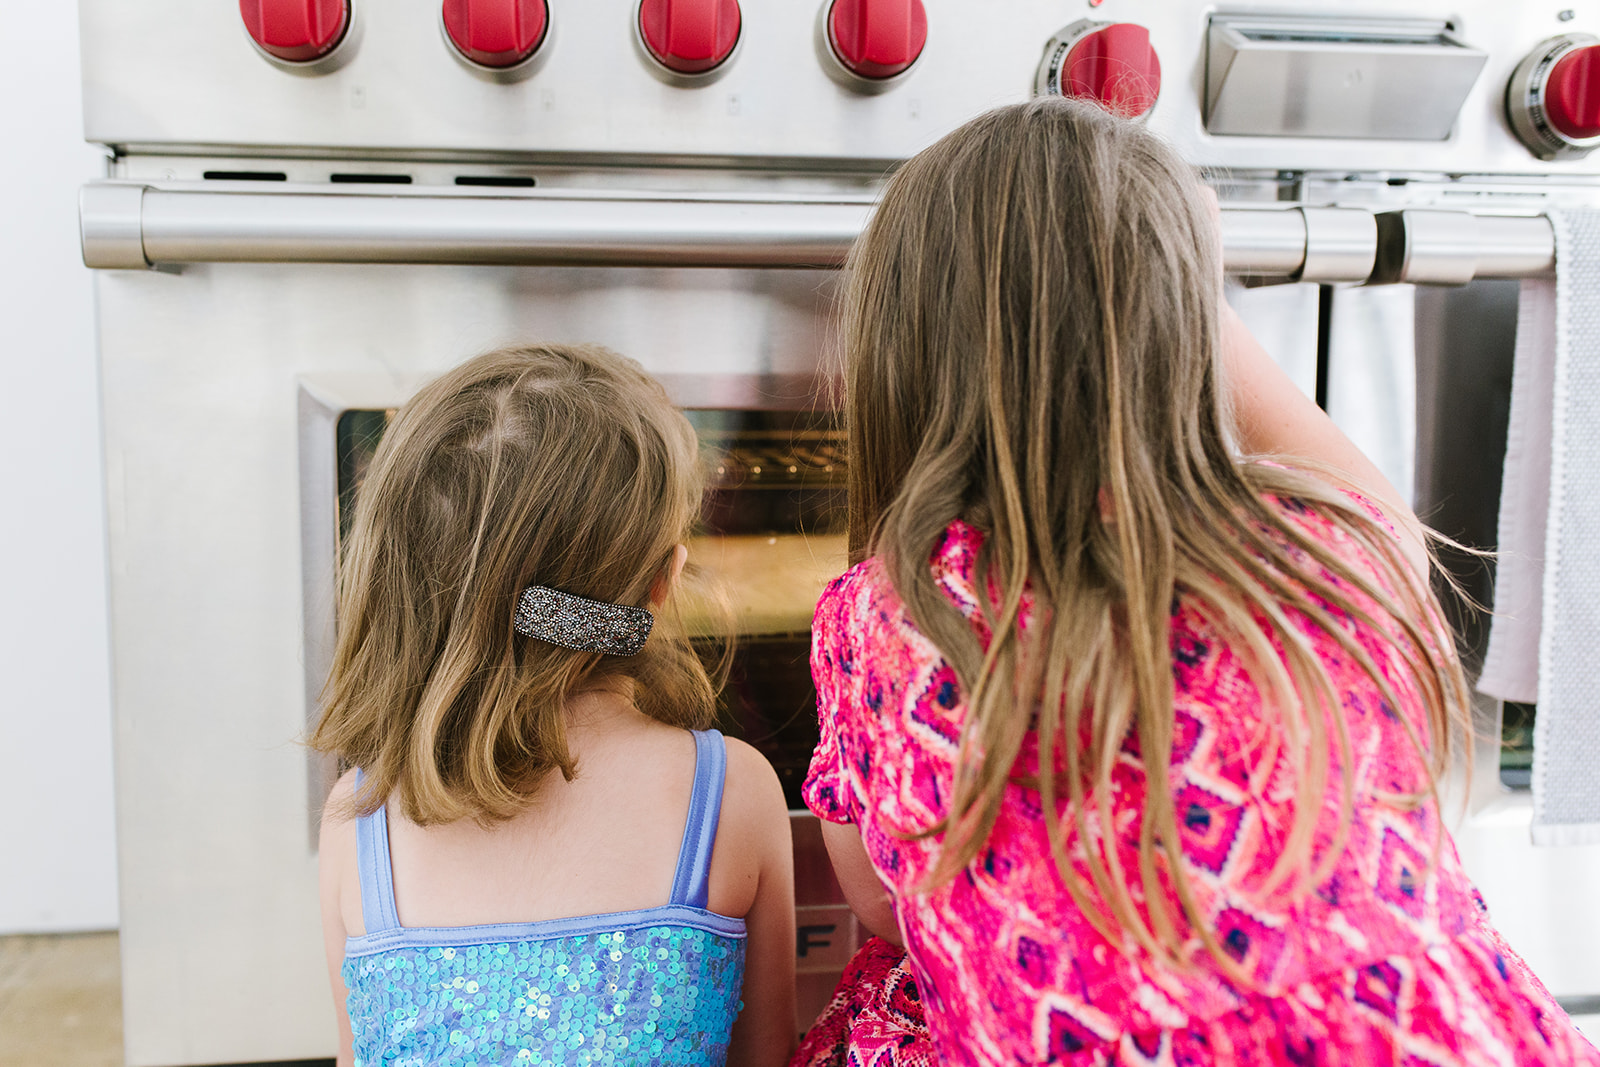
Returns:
(60, 1001)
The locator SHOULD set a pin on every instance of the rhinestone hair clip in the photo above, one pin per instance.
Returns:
(581, 624)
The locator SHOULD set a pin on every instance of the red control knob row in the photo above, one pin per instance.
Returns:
(689, 37)
(1111, 63)
(1553, 99)
(867, 43)
(497, 34)
(296, 31)
(876, 39)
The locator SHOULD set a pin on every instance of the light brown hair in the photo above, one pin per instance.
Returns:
(1031, 344)
(560, 466)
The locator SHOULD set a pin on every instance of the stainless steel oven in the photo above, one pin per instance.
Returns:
(313, 205)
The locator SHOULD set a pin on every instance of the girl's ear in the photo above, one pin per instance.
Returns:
(664, 584)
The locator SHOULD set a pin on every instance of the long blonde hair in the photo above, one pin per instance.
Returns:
(1031, 344)
(561, 466)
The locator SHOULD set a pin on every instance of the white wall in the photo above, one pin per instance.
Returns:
(57, 837)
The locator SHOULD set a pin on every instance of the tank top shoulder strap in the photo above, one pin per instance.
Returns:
(690, 883)
(377, 873)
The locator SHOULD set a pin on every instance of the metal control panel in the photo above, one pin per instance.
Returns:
(186, 75)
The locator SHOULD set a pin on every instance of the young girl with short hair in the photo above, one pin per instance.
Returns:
(1135, 704)
(541, 855)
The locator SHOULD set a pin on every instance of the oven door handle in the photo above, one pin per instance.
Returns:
(128, 224)
(134, 225)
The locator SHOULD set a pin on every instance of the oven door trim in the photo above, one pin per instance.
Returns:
(321, 401)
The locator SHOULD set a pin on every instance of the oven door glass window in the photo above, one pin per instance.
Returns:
(772, 535)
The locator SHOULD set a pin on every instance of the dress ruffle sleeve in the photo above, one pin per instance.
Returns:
(828, 790)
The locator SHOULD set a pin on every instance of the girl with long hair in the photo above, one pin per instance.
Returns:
(1136, 704)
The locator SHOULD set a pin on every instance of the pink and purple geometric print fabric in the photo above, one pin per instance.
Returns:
(1390, 960)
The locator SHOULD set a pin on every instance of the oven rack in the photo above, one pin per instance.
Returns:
(135, 225)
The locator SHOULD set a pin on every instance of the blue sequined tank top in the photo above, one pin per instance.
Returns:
(659, 986)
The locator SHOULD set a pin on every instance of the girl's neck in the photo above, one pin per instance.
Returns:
(603, 711)
(601, 705)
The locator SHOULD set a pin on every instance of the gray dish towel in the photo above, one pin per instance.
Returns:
(1547, 596)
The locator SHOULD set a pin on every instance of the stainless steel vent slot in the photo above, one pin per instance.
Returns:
(1377, 79)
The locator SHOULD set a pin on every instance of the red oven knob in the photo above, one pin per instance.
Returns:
(497, 34)
(296, 31)
(1572, 93)
(1553, 99)
(875, 40)
(1109, 62)
(689, 36)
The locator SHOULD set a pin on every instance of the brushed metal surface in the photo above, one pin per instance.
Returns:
(204, 226)
(111, 225)
(135, 225)
(203, 376)
(1441, 247)
(1514, 247)
(182, 73)
(197, 226)
(1341, 244)
(1335, 76)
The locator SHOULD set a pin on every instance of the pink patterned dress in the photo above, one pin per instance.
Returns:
(1391, 960)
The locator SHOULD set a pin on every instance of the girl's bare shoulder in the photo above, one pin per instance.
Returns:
(751, 784)
(336, 855)
(752, 832)
(339, 807)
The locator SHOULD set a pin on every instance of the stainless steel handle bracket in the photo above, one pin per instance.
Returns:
(1426, 246)
(1265, 243)
(1307, 244)
(111, 223)
(1341, 244)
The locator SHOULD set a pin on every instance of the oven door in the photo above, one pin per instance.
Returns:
(224, 388)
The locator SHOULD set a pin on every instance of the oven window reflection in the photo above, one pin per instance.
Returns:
(773, 536)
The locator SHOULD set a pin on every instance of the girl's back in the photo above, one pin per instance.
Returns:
(1140, 733)
(1391, 955)
(607, 841)
(543, 855)
(608, 917)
